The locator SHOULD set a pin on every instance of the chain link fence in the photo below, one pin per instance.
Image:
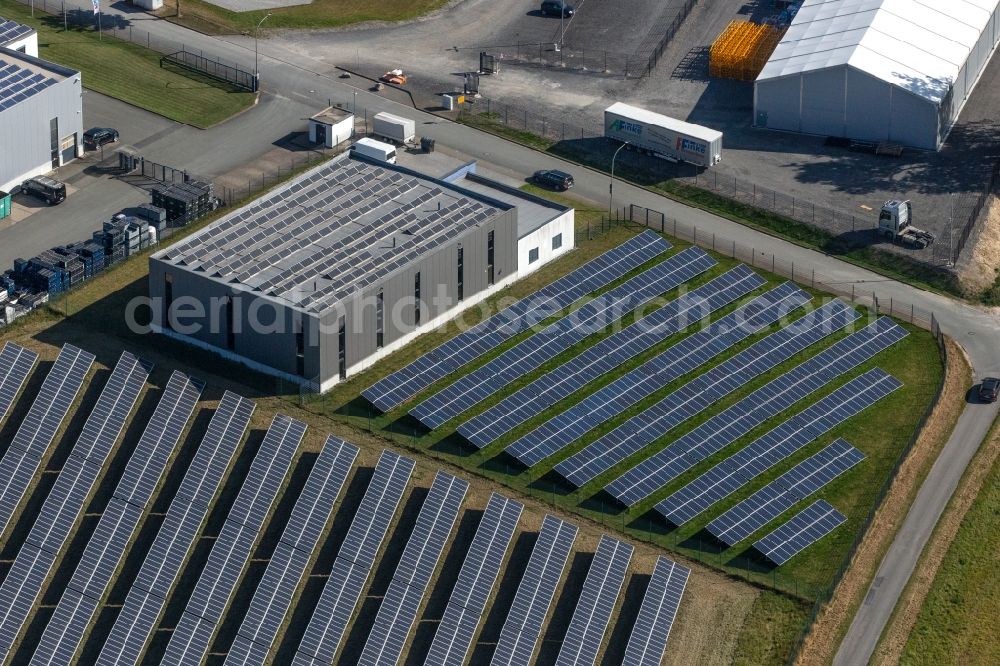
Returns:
(588, 145)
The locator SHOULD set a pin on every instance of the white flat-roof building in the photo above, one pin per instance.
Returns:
(41, 116)
(877, 70)
(18, 37)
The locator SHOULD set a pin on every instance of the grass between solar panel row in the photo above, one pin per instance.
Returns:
(920, 380)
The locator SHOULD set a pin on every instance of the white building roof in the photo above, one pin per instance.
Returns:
(918, 45)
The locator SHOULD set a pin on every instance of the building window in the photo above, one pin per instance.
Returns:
(342, 347)
(557, 241)
(532, 255)
(379, 320)
(461, 273)
(300, 348)
(490, 256)
(416, 299)
(168, 298)
(230, 324)
(54, 142)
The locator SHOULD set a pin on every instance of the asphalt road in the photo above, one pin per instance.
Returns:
(298, 81)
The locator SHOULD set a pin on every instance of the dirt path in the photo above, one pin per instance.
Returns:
(890, 649)
(981, 270)
(822, 642)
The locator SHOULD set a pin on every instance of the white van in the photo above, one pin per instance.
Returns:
(375, 150)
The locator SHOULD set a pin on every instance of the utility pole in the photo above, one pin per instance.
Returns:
(256, 71)
(611, 185)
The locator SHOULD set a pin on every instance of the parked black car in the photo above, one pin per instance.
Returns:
(45, 188)
(988, 389)
(557, 180)
(96, 137)
(556, 7)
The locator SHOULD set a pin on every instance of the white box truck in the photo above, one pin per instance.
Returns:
(376, 150)
(394, 128)
(662, 136)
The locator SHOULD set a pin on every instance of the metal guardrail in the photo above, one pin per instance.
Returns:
(213, 68)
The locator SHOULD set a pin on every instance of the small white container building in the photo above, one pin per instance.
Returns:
(331, 126)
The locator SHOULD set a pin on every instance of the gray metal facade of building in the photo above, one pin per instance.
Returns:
(275, 346)
(25, 126)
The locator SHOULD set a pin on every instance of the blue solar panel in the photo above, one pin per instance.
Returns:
(469, 345)
(680, 359)
(768, 401)
(659, 607)
(416, 568)
(801, 531)
(38, 82)
(545, 567)
(604, 356)
(16, 363)
(702, 392)
(355, 559)
(597, 601)
(739, 522)
(541, 347)
(777, 444)
(482, 564)
(36, 432)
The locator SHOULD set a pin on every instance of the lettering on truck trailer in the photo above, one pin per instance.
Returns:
(620, 125)
(689, 146)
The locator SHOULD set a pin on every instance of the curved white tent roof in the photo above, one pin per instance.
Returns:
(918, 45)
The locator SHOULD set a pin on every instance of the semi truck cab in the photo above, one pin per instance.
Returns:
(895, 222)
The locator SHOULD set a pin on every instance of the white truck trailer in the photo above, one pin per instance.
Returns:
(394, 128)
(662, 136)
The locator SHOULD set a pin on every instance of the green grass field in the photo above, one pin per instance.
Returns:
(957, 623)
(209, 18)
(131, 73)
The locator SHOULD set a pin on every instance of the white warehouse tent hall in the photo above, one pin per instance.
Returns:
(877, 70)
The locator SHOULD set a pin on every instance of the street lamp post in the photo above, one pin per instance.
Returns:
(611, 185)
(256, 71)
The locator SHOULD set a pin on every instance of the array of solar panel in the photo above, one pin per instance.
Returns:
(742, 520)
(801, 531)
(659, 607)
(475, 582)
(469, 345)
(36, 432)
(231, 550)
(700, 393)
(11, 30)
(534, 595)
(177, 534)
(106, 547)
(607, 354)
(288, 564)
(16, 363)
(355, 560)
(416, 568)
(543, 346)
(777, 444)
(678, 360)
(18, 83)
(768, 401)
(597, 601)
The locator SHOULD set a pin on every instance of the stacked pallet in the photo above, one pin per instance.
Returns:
(742, 50)
(186, 202)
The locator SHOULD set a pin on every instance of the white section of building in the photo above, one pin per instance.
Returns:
(877, 70)
(545, 243)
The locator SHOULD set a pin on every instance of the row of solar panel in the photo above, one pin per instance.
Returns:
(543, 346)
(403, 384)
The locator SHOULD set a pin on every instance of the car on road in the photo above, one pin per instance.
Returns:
(557, 180)
(47, 189)
(96, 137)
(557, 7)
(988, 389)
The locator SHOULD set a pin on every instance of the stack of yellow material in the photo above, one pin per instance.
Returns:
(742, 50)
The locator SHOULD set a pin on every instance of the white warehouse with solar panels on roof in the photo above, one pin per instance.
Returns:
(894, 71)
(41, 109)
